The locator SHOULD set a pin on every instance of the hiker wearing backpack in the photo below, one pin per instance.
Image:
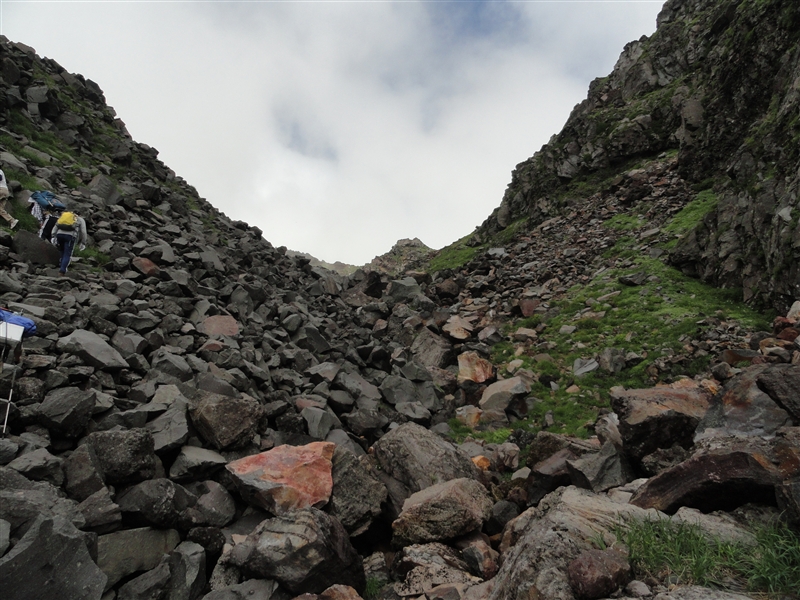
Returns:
(4, 193)
(70, 229)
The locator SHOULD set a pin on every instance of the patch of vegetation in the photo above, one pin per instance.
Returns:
(624, 222)
(667, 548)
(27, 182)
(373, 588)
(460, 432)
(691, 214)
(93, 254)
(655, 320)
(454, 256)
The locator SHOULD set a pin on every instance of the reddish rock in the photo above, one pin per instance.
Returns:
(528, 305)
(286, 478)
(712, 481)
(598, 573)
(447, 289)
(733, 356)
(220, 325)
(789, 334)
(212, 346)
(471, 367)
(145, 266)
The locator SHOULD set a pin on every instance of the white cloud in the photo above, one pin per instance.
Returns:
(339, 128)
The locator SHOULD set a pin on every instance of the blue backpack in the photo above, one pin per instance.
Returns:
(27, 324)
(47, 200)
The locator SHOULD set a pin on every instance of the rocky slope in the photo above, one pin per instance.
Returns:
(202, 415)
(695, 87)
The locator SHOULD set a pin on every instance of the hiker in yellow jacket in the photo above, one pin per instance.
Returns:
(70, 229)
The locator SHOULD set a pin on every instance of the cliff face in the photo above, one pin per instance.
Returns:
(718, 84)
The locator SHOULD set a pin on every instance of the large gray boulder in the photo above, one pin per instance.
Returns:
(358, 495)
(442, 512)
(34, 249)
(565, 524)
(306, 551)
(155, 502)
(195, 463)
(124, 553)
(412, 458)
(67, 410)
(22, 501)
(93, 349)
(223, 421)
(51, 562)
(171, 429)
(124, 456)
(660, 417)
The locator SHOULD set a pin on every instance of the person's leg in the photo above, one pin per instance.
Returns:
(66, 242)
(4, 212)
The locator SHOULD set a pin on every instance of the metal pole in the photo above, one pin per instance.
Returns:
(8, 402)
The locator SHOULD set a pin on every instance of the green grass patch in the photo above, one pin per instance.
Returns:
(624, 222)
(373, 588)
(454, 256)
(27, 181)
(655, 320)
(460, 432)
(93, 254)
(690, 215)
(666, 548)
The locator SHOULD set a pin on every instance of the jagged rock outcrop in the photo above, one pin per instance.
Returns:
(694, 87)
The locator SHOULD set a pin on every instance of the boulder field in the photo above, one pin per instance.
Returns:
(202, 415)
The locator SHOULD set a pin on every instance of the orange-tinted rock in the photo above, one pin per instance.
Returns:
(472, 367)
(286, 478)
(528, 305)
(483, 463)
(145, 266)
(220, 325)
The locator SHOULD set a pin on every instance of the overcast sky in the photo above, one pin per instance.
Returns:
(340, 127)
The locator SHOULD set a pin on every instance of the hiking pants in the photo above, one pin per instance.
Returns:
(4, 211)
(66, 243)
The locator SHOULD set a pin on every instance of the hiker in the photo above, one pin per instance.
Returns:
(47, 208)
(4, 193)
(70, 229)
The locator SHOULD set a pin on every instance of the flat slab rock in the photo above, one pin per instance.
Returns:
(712, 481)
(286, 478)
